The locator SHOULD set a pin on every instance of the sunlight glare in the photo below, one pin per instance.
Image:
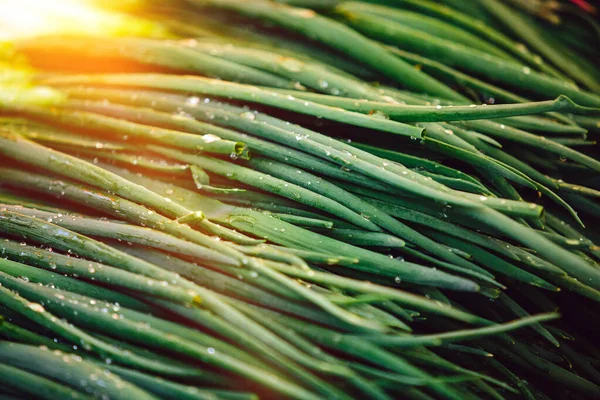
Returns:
(28, 18)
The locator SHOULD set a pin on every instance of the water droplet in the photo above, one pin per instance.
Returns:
(192, 101)
(248, 115)
(379, 114)
(210, 138)
(292, 65)
(37, 307)
(303, 12)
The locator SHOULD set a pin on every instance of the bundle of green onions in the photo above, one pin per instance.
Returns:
(305, 199)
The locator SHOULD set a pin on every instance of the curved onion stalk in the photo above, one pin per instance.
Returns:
(68, 240)
(93, 271)
(498, 227)
(115, 206)
(125, 232)
(362, 238)
(410, 113)
(123, 260)
(71, 370)
(520, 26)
(138, 161)
(160, 53)
(239, 336)
(476, 158)
(431, 25)
(16, 333)
(447, 227)
(371, 390)
(83, 120)
(494, 263)
(230, 281)
(465, 58)
(516, 309)
(317, 76)
(49, 134)
(165, 388)
(204, 319)
(439, 339)
(277, 231)
(544, 125)
(363, 350)
(338, 36)
(269, 183)
(306, 222)
(259, 146)
(404, 298)
(16, 147)
(202, 182)
(375, 215)
(419, 163)
(542, 181)
(191, 125)
(454, 215)
(483, 30)
(195, 84)
(44, 232)
(303, 139)
(540, 142)
(147, 334)
(36, 313)
(571, 263)
(33, 385)
(221, 31)
(58, 281)
(469, 82)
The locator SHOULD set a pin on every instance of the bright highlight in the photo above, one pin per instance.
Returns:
(28, 18)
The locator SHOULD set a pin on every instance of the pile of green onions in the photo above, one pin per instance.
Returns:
(305, 199)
